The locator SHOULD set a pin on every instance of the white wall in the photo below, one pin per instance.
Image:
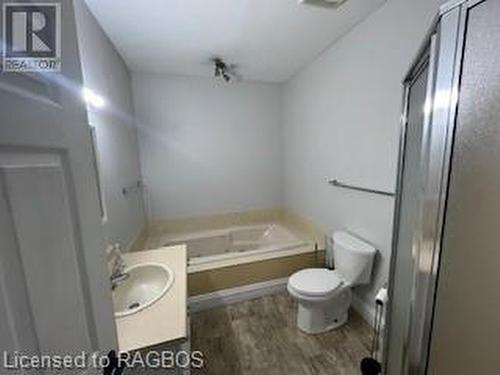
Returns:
(208, 147)
(342, 121)
(105, 73)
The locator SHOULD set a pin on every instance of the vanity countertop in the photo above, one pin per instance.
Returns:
(166, 319)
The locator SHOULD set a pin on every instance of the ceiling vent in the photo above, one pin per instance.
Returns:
(323, 3)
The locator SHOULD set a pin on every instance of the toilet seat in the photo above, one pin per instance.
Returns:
(315, 282)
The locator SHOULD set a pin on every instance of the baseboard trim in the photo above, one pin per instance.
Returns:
(238, 294)
(247, 292)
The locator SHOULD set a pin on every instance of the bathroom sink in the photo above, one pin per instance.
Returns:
(146, 284)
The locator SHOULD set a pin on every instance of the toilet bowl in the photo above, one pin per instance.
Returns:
(324, 295)
(324, 299)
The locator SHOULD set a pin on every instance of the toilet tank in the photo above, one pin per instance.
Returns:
(353, 258)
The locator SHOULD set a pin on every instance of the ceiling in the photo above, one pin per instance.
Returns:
(270, 40)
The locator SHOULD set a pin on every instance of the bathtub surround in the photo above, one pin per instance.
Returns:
(217, 230)
(341, 120)
(239, 275)
(217, 221)
(105, 73)
(158, 228)
(207, 147)
(222, 274)
(238, 244)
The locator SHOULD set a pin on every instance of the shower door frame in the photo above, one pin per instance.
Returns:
(442, 52)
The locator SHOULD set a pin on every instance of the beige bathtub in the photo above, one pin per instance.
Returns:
(238, 245)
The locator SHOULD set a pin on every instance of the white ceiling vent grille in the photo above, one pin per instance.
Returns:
(323, 3)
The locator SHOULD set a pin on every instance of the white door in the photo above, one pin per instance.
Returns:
(54, 290)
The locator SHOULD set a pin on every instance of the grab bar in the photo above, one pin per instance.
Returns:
(358, 188)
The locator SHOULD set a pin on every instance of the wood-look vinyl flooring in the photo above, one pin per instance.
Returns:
(260, 337)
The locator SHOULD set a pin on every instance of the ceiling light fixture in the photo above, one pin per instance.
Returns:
(222, 70)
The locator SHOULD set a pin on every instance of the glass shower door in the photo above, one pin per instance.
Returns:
(430, 108)
(409, 219)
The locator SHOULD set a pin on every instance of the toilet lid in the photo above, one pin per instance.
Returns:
(315, 281)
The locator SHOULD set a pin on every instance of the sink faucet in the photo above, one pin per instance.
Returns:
(118, 275)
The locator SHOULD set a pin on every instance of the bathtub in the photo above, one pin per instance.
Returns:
(237, 245)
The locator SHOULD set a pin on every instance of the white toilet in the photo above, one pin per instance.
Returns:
(324, 295)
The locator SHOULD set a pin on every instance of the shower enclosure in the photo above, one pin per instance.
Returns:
(446, 240)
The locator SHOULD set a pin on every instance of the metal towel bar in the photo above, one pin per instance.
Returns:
(358, 188)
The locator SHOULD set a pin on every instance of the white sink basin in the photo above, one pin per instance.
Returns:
(146, 284)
